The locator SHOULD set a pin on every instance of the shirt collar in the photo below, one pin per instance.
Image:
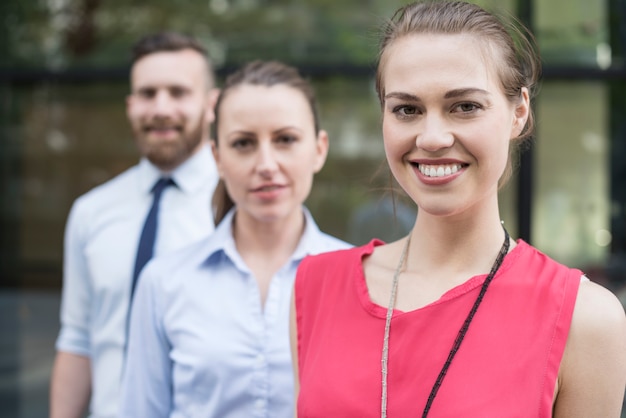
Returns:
(222, 239)
(190, 176)
(310, 242)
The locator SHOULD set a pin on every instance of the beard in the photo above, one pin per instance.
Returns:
(169, 154)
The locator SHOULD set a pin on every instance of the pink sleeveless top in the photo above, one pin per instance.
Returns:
(506, 366)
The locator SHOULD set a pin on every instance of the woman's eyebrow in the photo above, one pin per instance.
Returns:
(449, 94)
(402, 96)
(464, 92)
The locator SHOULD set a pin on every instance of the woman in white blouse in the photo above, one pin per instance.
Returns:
(209, 329)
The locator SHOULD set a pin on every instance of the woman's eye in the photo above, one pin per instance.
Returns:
(286, 139)
(242, 143)
(466, 107)
(405, 110)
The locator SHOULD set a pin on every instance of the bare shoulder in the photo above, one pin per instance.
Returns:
(380, 265)
(385, 256)
(598, 312)
(379, 268)
(592, 377)
(598, 325)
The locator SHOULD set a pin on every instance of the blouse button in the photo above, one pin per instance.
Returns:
(260, 359)
(260, 403)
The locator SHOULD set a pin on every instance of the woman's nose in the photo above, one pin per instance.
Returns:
(434, 133)
(267, 159)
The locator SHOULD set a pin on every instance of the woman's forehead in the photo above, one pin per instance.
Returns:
(251, 106)
(428, 59)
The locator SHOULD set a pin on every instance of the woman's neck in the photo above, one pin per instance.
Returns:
(267, 237)
(265, 247)
(462, 244)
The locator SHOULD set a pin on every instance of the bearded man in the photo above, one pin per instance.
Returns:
(157, 206)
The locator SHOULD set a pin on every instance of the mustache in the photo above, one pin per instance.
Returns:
(154, 126)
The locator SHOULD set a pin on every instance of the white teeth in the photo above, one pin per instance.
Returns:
(439, 170)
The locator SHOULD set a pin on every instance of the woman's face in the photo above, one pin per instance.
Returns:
(446, 123)
(267, 150)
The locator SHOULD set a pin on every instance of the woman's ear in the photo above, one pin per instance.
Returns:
(216, 156)
(522, 111)
(321, 150)
(212, 96)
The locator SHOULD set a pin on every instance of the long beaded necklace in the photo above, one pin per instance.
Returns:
(459, 338)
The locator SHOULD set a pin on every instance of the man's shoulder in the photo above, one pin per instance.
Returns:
(170, 270)
(115, 189)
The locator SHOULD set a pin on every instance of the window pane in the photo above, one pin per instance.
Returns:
(573, 32)
(72, 139)
(571, 204)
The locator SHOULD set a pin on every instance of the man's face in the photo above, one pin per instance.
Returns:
(170, 106)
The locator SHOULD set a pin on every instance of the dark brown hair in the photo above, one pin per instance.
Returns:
(516, 57)
(258, 73)
(169, 41)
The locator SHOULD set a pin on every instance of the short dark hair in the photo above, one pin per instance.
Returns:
(165, 41)
(170, 41)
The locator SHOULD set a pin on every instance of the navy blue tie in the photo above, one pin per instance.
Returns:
(148, 234)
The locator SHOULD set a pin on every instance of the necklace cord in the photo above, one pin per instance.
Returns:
(461, 335)
(459, 338)
(392, 302)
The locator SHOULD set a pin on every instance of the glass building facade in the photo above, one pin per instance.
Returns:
(63, 130)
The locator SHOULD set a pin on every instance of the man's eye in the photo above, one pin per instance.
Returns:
(178, 92)
(146, 93)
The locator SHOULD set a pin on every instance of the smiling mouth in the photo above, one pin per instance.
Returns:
(161, 129)
(438, 170)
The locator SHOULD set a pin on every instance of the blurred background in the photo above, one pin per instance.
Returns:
(63, 130)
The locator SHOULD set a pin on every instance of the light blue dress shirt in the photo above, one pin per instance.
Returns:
(201, 344)
(101, 239)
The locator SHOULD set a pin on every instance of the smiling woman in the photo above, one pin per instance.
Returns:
(64, 131)
(209, 327)
(457, 319)
(437, 94)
